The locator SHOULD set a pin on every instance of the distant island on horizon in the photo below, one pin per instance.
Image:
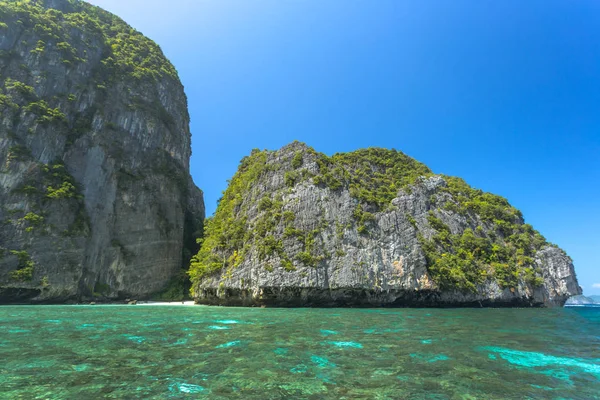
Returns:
(583, 300)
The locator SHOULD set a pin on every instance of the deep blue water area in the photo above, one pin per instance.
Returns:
(158, 352)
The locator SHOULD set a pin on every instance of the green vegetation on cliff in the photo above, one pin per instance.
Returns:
(504, 251)
(75, 33)
(373, 177)
(45, 184)
(24, 271)
(226, 236)
(251, 222)
(128, 54)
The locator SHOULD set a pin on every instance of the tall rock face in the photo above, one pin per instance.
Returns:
(96, 199)
(370, 228)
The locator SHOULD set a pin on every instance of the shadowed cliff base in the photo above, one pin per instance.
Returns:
(18, 295)
(355, 297)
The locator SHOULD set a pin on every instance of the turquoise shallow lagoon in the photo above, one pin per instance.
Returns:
(159, 352)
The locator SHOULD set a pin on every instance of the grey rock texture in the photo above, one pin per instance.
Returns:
(386, 266)
(96, 199)
(581, 300)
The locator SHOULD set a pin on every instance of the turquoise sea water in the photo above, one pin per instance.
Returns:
(158, 352)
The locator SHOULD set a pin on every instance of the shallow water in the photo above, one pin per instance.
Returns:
(122, 352)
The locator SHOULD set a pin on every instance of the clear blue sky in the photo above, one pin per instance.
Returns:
(505, 94)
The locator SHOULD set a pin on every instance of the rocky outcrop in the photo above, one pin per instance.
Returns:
(95, 194)
(581, 300)
(370, 228)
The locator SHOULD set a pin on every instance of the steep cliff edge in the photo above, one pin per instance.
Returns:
(95, 193)
(370, 228)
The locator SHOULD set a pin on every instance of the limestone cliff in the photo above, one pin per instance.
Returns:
(370, 228)
(95, 193)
